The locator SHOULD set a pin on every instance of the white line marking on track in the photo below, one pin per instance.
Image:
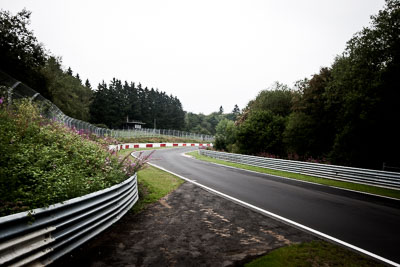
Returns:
(283, 219)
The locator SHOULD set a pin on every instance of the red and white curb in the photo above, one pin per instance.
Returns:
(149, 145)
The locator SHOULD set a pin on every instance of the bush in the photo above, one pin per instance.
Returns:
(44, 162)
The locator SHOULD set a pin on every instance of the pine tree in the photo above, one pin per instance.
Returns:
(236, 110)
(78, 78)
(87, 84)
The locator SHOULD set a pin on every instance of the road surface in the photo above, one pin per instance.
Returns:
(368, 222)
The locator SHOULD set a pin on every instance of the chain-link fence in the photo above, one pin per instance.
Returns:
(12, 89)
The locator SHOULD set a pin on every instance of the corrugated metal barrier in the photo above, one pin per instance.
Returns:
(349, 174)
(43, 235)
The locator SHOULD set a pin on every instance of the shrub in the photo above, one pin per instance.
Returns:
(43, 162)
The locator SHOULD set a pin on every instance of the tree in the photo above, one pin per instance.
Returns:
(99, 105)
(277, 99)
(236, 110)
(234, 114)
(299, 135)
(115, 102)
(67, 92)
(310, 130)
(225, 137)
(87, 84)
(221, 110)
(21, 56)
(364, 93)
(262, 131)
(78, 78)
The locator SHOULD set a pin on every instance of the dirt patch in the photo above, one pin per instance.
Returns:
(189, 227)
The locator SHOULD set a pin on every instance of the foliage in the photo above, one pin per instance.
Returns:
(21, 56)
(363, 94)
(225, 136)
(206, 124)
(43, 162)
(277, 99)
(309, 130)
(262, 131)
(67, 91)
(260, 128)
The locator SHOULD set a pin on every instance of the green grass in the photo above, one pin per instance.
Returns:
(347, 185)
(153, 185)
(316, 253)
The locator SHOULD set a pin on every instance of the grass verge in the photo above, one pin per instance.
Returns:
(346, 185)
(315, 253)
(153, 185)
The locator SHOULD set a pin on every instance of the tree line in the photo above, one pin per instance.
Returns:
(346, 114)
(108, 105)
(25, 59)
(113, 104)
(206, 124)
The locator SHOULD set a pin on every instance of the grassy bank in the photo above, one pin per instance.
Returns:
(316, 253)
(346, 185)
(153, 185)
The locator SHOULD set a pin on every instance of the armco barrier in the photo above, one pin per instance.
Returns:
(349, 174)
(45, 234)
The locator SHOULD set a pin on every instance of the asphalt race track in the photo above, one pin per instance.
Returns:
(368, 222)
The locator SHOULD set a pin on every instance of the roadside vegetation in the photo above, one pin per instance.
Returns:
(153, 183)
(43, 162)
(316, 253)
(346, 185)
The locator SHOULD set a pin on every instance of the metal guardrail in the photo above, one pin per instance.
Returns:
(41, 236)
(348, 174)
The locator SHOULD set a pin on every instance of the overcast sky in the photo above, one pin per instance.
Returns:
(207, 53)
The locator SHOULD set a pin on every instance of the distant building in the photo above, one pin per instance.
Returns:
(132, 124)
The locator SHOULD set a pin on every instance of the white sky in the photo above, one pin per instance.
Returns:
(207, 53)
